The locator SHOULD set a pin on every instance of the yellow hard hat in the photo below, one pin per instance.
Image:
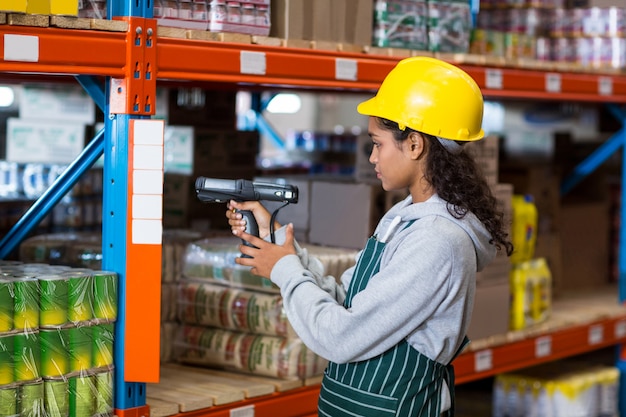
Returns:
(430, 96)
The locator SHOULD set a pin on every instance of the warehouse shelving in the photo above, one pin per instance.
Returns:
(133, 56)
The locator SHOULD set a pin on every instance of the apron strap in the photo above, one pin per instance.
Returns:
(449, 376)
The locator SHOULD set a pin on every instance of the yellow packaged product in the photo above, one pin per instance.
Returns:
(524, 228)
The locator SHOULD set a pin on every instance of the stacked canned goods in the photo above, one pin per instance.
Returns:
(433, 25)
(250, 16)
(56, 340)
(590, 37)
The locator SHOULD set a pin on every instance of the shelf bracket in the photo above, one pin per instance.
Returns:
(135, 94)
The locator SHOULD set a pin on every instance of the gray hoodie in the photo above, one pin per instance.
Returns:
(423, 293)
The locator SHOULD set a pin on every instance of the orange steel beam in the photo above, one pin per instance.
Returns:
(185, 59)
(479, 364)
(297, 402)
(143, 411)
(65, 51)
(549, 85)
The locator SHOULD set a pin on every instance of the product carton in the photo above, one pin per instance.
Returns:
(344, 214)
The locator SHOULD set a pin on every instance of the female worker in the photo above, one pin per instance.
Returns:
(399, 317)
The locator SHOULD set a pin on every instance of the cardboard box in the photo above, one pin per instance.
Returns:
(491, 312)
(359, 22)
(542, 182)
(318, 20)
(287, 19)
(486, 154)
(584, 238)
(548, 246)
(344, 214)
(50, 142)
(53, 103)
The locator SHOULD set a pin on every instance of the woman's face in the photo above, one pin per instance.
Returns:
(395, 163)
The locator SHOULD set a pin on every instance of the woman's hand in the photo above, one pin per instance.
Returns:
(264, 255)
(260, 213)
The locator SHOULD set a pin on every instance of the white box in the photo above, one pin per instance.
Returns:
(50, 103)
(343, 214)
(44, 141)
(178, 149)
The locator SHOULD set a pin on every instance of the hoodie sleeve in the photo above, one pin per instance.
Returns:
(408, 290)
(315, 268)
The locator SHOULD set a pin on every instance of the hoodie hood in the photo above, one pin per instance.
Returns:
(436, 206)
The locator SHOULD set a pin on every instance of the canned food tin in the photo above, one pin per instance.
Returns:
(6, 305)
(56, 397)
(55, 359)
(31, 402)
(105, 295)
(104, 392)
(102, 345)
(82, 398)
(27, 356)
(80, 353)
(80, 295)
(26, 307)
(53, 304)
(7, 366)
(8, 401)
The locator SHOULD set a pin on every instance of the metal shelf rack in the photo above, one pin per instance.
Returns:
(120, 70)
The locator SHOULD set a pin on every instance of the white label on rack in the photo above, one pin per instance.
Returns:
(620, 329)
(553, 83)
(21, 48)
(147, 166)
(252, 63)
(605, 86)
(493, 79)
(543, 346)
(596, 334)
(247, 411)
(483, 360)
(346, 69)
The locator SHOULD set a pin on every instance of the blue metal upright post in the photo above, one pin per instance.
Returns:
(128, 100)
(599, 156)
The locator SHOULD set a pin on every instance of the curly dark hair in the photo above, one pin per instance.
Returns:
(458, 180)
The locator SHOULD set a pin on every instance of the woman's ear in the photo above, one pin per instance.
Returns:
(417, 145)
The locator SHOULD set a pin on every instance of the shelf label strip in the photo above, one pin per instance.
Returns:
(346, 69)
(605, 86)
(247, 411)
(493, 79)
(620, 329)
(596, 334)
(543, 346)
(254, 63)
(483, 360)
(553, 83)
(21, 48)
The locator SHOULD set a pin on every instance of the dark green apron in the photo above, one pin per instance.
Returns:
(400, 382)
